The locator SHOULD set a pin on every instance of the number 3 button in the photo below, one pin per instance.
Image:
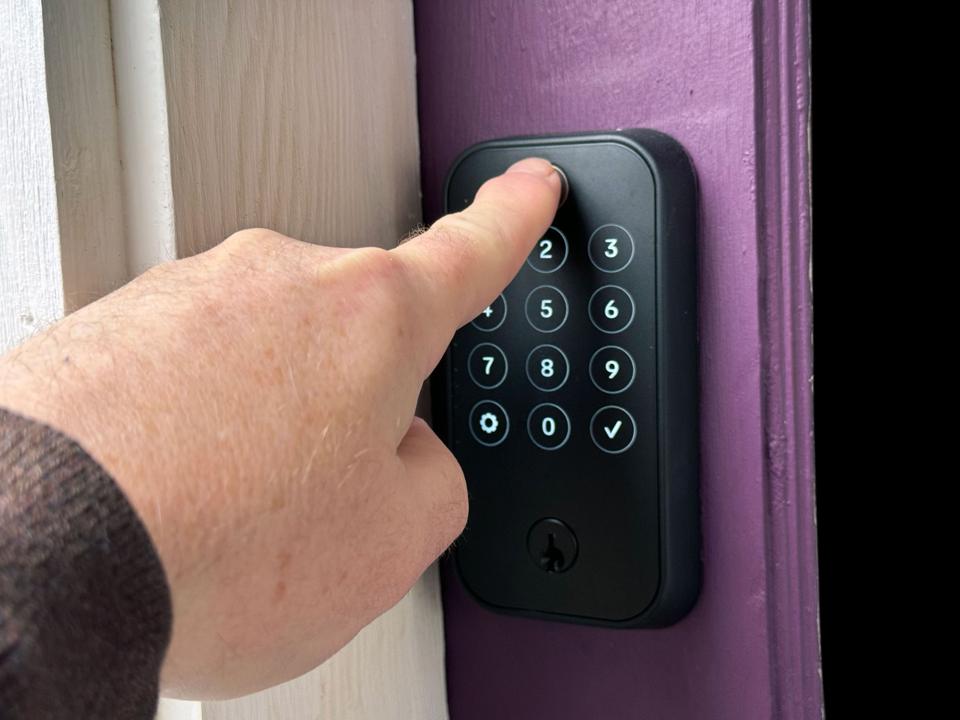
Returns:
(611, 248)
(611, 309)
(550, 252)
(546, 308)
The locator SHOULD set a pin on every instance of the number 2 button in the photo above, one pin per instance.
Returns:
(550, 252)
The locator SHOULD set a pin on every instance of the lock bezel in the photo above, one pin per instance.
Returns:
(677, 391)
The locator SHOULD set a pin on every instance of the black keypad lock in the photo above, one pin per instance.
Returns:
(571, 401)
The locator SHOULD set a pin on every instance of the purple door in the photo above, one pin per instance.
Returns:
(729, 80)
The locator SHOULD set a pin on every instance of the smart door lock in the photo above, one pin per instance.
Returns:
(572, 400)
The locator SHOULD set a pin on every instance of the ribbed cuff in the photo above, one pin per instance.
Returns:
(85, 609)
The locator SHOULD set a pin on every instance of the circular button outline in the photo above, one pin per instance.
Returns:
(633, 248)
(565, 416)
(633, 369)
(566, 360)
(566, 308)
(503, 297)
(506, 422)
(506, 366)
(566, 252)
(633, 425)
(633, 308)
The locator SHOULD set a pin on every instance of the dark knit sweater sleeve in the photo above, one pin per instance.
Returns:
(85, 610)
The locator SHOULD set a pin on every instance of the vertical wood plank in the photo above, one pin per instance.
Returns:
(301, 117)
(144, 136)
(83, 122)
(31, 287)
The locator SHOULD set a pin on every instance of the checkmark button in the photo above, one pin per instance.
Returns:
(612, 432)
(613, 429)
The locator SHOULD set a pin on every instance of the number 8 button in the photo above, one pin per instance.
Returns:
(611, 309)
(547, 367)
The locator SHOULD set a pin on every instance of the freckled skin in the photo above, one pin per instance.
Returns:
(256, 405)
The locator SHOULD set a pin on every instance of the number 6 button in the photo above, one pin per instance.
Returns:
(611, 309)
(546, 308)
(487, 365)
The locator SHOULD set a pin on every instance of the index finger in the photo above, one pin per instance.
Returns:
(466, 259)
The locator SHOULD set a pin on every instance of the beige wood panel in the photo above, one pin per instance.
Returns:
(84, 130)
(301, 116)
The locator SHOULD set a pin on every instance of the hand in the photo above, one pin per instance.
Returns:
(256, 405)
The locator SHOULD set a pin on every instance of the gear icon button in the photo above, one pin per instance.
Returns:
(489, 423)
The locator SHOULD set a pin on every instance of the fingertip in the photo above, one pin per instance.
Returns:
(532, 166)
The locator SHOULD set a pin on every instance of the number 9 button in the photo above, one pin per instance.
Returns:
(612, 369)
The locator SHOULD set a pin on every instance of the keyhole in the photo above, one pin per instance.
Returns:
(551, 559)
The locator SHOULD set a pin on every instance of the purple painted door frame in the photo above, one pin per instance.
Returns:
(729, 80)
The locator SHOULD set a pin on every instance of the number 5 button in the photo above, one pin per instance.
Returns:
(613, 429)
(611, 248)
(611, 309)
(546, 308)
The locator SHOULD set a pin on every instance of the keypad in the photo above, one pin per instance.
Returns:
(574, 341)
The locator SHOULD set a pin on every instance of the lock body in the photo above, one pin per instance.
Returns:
(571, 402)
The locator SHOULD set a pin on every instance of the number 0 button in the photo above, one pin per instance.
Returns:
(550, 252)
(612, 369)
(549, 426)
(611, 248)
(489, 423)
(487, 365)
(547, 367)
(611, 309)
(613, 429)
(546, 308)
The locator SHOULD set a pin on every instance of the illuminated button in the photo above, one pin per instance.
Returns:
(611, 248)
(548, 426)
(546, 308)
(550, 252)
(547, 367)
(613, 429)
(487, 365)
(489, 423)
(492, 316)
(612, 369)
(611, 309)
